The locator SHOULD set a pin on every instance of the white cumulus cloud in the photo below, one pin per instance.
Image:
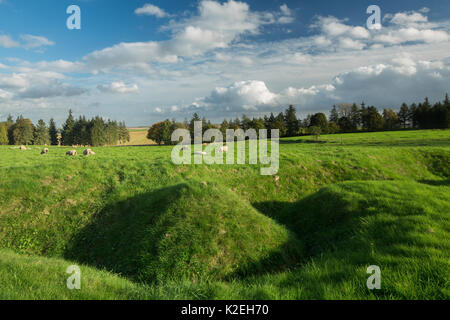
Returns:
(151, 10)
(119, 87)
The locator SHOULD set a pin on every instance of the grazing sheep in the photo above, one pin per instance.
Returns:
(88, 152)
(223, 149)
(45, 151)
(71, 153)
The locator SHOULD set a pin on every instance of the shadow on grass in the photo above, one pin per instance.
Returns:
(436, 182)
(384, 143)
(303, 141)
(117, 237)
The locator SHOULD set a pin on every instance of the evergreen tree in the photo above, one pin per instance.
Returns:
(346, 125)
(41, 134)
(245, 123)
(223, 128)
(279, 124)
(414, 115)
(124, 134)
(307, 121)
(82, 132)
(53, 132)
(204, 125)
(440, 114)
(270, 121)
(237, 124)
(364, 116)
(291, 121)
(426, 114)
(404, 115)
(111, 132)
(9, 120)
(9, 127)
(67, 131)
(355, 117)
(257, 124)
(375, 121)
(97, 132)
(195, 118)
(334, 116)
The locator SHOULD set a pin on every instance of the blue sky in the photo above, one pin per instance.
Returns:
(144, 61)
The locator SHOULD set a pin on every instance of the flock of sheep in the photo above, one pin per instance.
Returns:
(72, 153)
(89, 152)
(221, 149)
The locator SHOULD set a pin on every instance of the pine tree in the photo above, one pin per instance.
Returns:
(53, 132)
(279, 124)
(291, 121)
(404, 115)
(81, 135)
(97, 132)
(41, 134)
(246, 122)
(124, 134)
(355, 117)
(375, 121)
(364, 117)
(237, 124)
(334, 117)
(9, 120)
(223, 128)
(194, 119)
(9, 124)
(67, 132)
(257, 124)
(112, 132)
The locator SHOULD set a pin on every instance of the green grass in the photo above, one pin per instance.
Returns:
(143, 228)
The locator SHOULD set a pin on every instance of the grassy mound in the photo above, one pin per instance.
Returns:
(189, 231)
(401, 226)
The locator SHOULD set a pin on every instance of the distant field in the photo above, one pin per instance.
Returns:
(141, 227)
(138, 137)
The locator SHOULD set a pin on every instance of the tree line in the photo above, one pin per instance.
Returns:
(93, 132)
(343, 118)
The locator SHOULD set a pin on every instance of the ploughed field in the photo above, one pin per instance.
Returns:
(141, 227)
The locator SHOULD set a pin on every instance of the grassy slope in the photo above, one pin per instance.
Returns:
(326, 237)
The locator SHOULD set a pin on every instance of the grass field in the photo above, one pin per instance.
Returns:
(141, 227)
